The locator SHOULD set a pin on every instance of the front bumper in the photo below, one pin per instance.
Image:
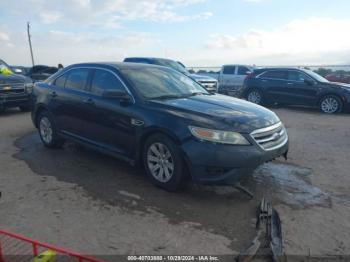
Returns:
(211, 163)
(13, 100)
(235, 91)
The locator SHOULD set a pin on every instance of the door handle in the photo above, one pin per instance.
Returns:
(88, 101)
(289, 84)
(53, 94)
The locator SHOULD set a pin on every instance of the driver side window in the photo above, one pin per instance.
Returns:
(298, 76)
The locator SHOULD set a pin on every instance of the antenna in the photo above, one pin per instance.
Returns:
(30, 43)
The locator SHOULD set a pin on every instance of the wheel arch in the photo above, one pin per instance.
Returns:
(148, 133)
(156, 130)
(39, 109)
(342, 99)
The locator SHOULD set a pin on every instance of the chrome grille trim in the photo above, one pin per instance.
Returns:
(15, 88)
(270, 138)
(209, 85)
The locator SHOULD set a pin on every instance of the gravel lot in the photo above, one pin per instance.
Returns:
(97, 205)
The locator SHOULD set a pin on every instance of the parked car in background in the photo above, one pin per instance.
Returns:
(209, 83)
(157, 117)
(231, 78)
(15, 89)
(41, 72)
(292, 86)
(340, 78)
(21, 70)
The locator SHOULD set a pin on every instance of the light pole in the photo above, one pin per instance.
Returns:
(30, 43)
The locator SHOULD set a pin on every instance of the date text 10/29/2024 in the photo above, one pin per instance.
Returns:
(173, 258)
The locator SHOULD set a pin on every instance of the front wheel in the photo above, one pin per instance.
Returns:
(163, 163)
(331, 104)
(48, 131)
(254, 96)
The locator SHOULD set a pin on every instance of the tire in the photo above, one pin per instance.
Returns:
(162, 154)
(255, 96)
(48, 131)
(331, 104)
(24, 108)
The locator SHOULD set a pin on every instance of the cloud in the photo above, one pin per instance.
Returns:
(50, 17)
(103, 13)
(308, 40)
(4, 37)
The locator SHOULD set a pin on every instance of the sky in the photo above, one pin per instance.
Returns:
(195, 32)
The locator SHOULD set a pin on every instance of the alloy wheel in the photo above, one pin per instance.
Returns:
(160, 162)
(46, 131)
(330, 105)
(254, 97)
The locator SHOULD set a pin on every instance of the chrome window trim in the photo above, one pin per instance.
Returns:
(93, 67)
(262, 77)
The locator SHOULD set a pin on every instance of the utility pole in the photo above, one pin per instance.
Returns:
(30, 43)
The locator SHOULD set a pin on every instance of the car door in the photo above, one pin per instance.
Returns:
(302, 88)
(110, 119)
(242, 72)
(228, 75)
(275, 85)
(68, 99)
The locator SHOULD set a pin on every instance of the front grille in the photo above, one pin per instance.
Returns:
(210, 86)
(12, 88)
(271, 137)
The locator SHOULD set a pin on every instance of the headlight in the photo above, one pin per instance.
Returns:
(28, 87)
(218, 136)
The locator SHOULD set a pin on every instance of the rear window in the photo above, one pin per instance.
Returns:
(275, 74)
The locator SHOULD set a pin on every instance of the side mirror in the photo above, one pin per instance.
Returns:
(309, 82)
(116, 94)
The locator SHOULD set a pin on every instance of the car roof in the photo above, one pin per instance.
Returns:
(238, 65)
(150, 58)
(117, 65)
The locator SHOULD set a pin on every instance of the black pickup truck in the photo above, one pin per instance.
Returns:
(15, 89)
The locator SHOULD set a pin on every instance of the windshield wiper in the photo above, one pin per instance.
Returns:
(166, 97)
(198, 93)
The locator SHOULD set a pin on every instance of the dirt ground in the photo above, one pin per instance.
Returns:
(97, 205)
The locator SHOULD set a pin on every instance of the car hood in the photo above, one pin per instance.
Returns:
(339, 85)
(220, 112)
(13, 78)
(203, 78)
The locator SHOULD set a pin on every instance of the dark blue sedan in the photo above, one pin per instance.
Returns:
(157, 117)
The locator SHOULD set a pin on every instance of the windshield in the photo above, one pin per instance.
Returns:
(4, 68)
(317, 76)
(152, 83)
(173, 64)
